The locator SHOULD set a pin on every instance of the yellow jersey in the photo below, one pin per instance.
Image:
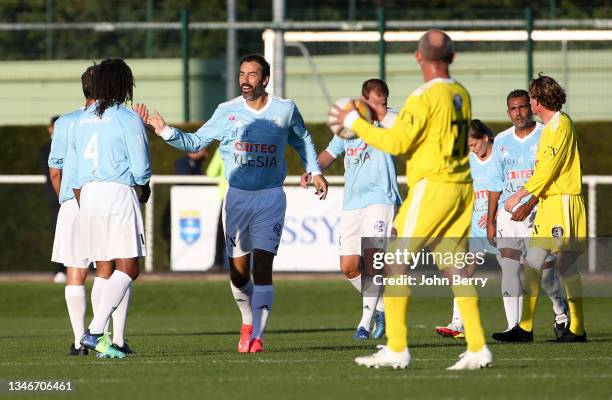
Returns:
(432, 128)
(557, 169)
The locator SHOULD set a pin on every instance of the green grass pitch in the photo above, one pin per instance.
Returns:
(185, 333)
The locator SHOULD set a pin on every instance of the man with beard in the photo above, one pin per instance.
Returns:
(253, 130)
(514, 159)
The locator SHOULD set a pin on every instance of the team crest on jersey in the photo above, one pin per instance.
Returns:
(278, 229)
(232, 118)
(379, 226)
(457, 102)
(557, 232)
(190, 226)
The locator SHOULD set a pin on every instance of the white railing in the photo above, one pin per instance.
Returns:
(590, 180)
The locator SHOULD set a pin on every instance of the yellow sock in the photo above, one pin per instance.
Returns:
(573, 290)
(533, 280)
(396, 313)
(468, 307)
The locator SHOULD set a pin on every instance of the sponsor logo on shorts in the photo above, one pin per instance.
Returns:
(231, 240)
(278, 229)
(557, 232)
(379, 226)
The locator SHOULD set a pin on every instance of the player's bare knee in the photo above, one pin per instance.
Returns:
(350, 266)
(128, 266)
(104, 269)
(76, 276)
(238, 278)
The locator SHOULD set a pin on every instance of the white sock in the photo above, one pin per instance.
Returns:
(120, 318)
(356, 282)
(76, 301)
(113, 293)
(263, 297)
(511, 289)
(243, 297)
(552, 287)
(369, 298)
(457, 320)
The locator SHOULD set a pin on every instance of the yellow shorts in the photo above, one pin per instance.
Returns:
(560, 224)
(437, 215)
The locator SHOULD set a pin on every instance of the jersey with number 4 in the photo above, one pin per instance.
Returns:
(111, 148)
(432, 128)
(62, 155)
(252, 142)
(514, 161)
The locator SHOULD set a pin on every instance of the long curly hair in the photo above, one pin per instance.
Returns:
(547, 92)
(113, 84)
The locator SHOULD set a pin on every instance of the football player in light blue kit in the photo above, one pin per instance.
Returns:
(514, 155)
(480, 143)
(253, 130)
(65, 245)
(112, 153)
(371, 197)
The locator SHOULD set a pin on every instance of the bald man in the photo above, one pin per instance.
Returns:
(432, 128)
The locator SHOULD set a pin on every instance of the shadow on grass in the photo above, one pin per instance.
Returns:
(223, 333)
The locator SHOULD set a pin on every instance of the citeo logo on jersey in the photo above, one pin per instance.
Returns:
(481, 194)
(523, 174)
(190, 226)
(356, 155)
(259, 155)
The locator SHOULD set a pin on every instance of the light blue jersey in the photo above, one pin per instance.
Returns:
(481, 171)
(514, 160)
(62, 155)
(369, 174)
(113, 148)
(252, 142)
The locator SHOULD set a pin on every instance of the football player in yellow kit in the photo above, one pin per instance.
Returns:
(432, 128)
(560, 224)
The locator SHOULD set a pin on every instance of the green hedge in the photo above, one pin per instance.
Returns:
(25, 241)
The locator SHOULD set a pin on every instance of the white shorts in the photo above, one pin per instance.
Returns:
(514, 234)
(66, 246)
(253, 220)
(110, 222)
(375, 221)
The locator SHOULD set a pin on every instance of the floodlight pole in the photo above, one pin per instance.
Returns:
(185, 57)
(149, 37)
(278, 66)
(49, 37)
(230, 52)
(382, 48)
(529, 29)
